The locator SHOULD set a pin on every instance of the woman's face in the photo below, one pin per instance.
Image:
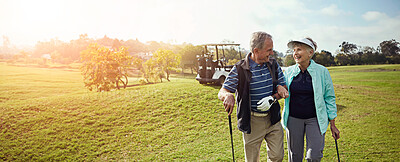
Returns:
(301, 54)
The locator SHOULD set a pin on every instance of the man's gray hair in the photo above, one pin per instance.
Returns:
(258, 40)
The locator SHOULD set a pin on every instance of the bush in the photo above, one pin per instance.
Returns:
(103, 68)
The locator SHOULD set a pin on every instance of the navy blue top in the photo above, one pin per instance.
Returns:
(302, 97)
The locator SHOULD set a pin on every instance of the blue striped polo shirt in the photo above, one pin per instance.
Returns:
(260, 84)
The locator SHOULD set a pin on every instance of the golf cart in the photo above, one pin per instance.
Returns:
(213, 71)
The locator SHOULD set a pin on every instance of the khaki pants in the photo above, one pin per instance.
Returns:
(261, 129)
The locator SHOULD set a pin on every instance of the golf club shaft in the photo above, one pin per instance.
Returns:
(230, 130)
(337, 150)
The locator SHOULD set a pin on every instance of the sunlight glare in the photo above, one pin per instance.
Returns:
(39, 16)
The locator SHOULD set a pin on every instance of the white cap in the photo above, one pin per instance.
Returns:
(304, 41)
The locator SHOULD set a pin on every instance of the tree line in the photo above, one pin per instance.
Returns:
(106, 63)
(388, 52)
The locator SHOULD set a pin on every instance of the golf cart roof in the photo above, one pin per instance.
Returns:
(221, 44)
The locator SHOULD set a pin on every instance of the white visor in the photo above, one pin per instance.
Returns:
(303, 41)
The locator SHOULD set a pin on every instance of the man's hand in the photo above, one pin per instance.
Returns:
(282, 91)
(229, 103)
(265, 103)
(334, 130)
(228, 100)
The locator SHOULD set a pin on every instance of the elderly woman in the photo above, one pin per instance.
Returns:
(310, 106)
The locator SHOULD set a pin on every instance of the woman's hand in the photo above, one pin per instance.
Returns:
(334, 130)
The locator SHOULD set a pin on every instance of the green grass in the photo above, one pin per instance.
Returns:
(368, 98)
(47, 114)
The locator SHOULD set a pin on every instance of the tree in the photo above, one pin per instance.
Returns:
(324, 58)
(21, 56)
(188, 54)
(391, 50)
(279, 60)
(105, 41)
(76, 46)
(366, 49)
(25, 55)
(356, 58)
(234, 61)
(116, 44)
(278, 54)
(389, 47)
(153, 46)
(137, 63)
(230, 53)
(68, 52)
(330, 59)
(371, 57)
(342, 59)
(289, 52)
(167, 60)
(55, 56)
(278, 57)
(151, 71)
(103, 68)
(367, 56)
(350, 55)
(134, 46)
(319, 58)
(348, 48)
(47, 47)
(289, 60)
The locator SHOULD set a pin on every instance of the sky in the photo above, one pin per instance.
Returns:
(328, 22)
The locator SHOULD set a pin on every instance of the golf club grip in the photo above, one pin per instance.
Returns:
(230, 130)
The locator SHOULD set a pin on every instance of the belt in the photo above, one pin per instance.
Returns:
(259, 114)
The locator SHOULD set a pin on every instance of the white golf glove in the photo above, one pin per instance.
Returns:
(265, 103)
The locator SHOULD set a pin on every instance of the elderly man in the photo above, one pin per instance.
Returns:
(252, 81)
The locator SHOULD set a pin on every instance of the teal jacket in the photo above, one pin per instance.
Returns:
(324, 95)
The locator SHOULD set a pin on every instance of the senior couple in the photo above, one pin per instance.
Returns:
(258, 82)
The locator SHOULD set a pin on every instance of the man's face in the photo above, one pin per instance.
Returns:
(262, 55)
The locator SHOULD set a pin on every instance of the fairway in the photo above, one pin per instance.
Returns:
(48, 115)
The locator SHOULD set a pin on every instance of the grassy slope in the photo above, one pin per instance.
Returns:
(47, 114)
(368, 98)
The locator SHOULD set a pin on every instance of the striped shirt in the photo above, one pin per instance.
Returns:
(260, 85)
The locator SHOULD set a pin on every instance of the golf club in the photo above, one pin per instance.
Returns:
(274, 102)
(230, 130)
(337, 151)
